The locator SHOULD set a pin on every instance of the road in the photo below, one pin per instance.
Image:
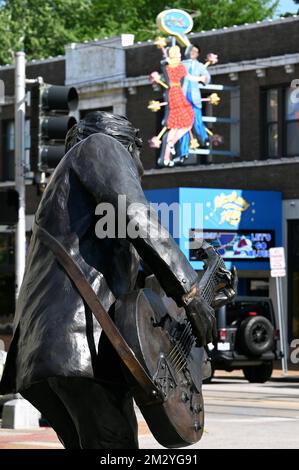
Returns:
(238, 415)
(245, 416)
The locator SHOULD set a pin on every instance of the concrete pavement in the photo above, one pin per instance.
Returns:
(238, 415)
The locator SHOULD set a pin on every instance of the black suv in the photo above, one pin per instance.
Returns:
(247, 338)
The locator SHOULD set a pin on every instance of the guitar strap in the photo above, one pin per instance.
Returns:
(75, 273)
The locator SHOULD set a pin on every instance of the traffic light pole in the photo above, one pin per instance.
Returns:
(20, 236)
(18, 412)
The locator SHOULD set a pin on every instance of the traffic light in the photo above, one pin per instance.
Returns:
(49, 124)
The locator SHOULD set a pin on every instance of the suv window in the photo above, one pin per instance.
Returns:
(239, 310)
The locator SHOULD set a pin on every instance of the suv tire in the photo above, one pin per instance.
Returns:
(258, 374)
(256, 335)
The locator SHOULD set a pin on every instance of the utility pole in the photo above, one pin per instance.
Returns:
(18, 412)
(20, 236)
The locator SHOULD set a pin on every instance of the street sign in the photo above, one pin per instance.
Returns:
(277, 257)
(278, 272)
(277, 262)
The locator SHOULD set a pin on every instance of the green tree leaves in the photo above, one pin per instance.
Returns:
(43, 27)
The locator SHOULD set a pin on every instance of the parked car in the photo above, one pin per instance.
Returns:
(247, 338)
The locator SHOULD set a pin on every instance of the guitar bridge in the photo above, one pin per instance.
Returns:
(163, 376)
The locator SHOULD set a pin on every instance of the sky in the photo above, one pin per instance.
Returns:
(287, 5)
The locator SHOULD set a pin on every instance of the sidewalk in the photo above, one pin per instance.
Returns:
(42, 438)
(293, 374)
(45, 437)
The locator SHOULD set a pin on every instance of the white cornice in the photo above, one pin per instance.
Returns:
(224, 166)
(243, 27)
(246, 65)
(221, 69)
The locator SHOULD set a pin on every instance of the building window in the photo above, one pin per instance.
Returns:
(9, 149)
(292, 123)
(7, 302)
(293, 278)
(272, 122)
(281, 123)
(7, 281)
(10, 136)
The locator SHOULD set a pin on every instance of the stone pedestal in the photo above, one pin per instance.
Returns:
(19, 414)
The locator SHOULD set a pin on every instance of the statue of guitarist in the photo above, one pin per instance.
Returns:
(60, 359)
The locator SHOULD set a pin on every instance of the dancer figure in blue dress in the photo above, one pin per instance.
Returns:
(193, 95)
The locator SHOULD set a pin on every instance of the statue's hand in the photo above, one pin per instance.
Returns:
(202, 319)
(227, 293)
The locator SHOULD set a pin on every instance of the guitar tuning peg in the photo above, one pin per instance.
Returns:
(224, 273)
(202, 254)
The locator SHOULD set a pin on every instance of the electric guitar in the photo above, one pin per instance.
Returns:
(161, 337)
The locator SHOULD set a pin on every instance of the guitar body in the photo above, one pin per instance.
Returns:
(162, 340)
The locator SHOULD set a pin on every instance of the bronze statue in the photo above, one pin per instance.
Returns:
(59, 359)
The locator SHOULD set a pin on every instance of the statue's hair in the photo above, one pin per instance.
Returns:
(110, 124)
(106, 123)
(71, 138)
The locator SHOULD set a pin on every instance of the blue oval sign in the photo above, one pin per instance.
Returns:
(176, 23)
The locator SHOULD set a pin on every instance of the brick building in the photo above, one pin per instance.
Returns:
(258, 63)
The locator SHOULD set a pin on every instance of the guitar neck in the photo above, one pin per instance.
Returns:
(209, 283)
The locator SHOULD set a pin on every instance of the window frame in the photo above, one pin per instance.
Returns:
(285, 130)
(8, 151)
(281, 121)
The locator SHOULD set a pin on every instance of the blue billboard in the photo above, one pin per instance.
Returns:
(242, 225)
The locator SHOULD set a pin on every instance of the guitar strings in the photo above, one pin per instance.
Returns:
(184, 336)
(186, 342)
(180, 359)
(181, 350)
(208, 275)
(177, 356)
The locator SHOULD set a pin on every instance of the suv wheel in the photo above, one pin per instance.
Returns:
(256, 335)
(258, 374)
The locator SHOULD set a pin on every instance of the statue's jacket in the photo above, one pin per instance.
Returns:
(55, 333)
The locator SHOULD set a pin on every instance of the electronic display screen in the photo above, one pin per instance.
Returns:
(234, 245)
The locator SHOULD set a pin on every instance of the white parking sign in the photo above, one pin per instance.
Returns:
(277, 262)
